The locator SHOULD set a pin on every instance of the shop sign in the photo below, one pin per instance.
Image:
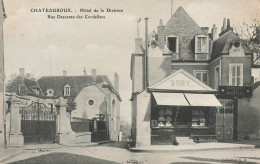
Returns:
(235, 91)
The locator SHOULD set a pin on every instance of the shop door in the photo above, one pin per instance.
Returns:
(224, 126)
(224, 120)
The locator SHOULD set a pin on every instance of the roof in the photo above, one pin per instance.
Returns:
(76, 83)
(182, 25)
(23, 86)
(223, 44)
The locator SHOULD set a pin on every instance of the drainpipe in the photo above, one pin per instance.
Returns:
(146, 54)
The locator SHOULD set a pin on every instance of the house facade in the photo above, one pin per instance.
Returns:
(96, 98)
(176, 56)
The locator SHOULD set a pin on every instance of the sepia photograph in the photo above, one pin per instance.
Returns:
(129, 81)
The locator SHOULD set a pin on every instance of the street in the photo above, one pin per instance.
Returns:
(107, 154)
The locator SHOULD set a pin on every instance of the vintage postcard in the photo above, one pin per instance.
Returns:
(129, 81)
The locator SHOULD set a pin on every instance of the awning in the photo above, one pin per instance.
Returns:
(202, 99)
(173, 99)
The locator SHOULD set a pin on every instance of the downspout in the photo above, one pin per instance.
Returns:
(146, 54)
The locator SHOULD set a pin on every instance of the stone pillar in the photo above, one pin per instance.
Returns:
(65, 134)
(15, 135)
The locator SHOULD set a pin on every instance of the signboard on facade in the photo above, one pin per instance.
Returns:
(235, 91)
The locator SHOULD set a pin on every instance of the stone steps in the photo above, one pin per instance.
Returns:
(185, 141)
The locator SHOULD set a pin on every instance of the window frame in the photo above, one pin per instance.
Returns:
(219, 77)
(196, 44)
(201, 76)
(231, 76)
(66, 92)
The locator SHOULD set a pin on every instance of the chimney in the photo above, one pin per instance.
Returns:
(94, 76)
(160, 32)
(28, 76)
(64, 73)
(21, 72)
(138, 39)
(116, 82)
(224, 27)
(84, 72)
(214, 32)
(228, 23)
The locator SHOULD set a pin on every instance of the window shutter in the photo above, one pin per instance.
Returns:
(230, 74)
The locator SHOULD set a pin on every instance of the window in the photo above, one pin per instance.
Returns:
(172, 42)
(236, 74)
(198, 118)
(91, 102)
(202, 76)
(217, 77)
(67, 90)
(202, 45)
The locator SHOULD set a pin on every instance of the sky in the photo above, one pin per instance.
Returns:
(48, 46)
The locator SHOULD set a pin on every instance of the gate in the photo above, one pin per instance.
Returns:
(224, 121)
(38, 123)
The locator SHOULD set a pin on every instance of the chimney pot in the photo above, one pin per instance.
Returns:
(64, 73)
(224, 27)
(85, 72)
(28, 76)
(228, 23)
(94, 76)
(161, 22)
(214, 32)
(21, 72)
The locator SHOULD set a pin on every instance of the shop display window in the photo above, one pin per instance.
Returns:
(198, 118)
(164, 118)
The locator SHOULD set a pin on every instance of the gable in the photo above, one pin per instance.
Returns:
(182, 81)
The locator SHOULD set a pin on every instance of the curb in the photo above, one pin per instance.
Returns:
(139, 150)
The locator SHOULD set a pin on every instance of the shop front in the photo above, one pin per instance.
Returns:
(182, 115)
(178, 106)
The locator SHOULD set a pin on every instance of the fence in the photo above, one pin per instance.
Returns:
(82, 125)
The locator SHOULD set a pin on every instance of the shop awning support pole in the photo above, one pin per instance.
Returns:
(175, 122)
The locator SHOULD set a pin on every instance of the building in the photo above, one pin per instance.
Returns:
(95, 97)
(175, 81)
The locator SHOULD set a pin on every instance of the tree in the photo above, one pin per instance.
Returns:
(250, 35)
(71, 105)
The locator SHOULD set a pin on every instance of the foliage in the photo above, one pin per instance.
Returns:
(250, 34)
(71, 105)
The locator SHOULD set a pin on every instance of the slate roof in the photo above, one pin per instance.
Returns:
(76, 83)
(22, 86)
(223, 44)
(182, 25)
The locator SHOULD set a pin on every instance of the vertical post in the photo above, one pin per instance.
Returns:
(146, 54)
(15, 134)
(65, 134)
(235, 123)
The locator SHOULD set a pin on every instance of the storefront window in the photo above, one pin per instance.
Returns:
(198, 118)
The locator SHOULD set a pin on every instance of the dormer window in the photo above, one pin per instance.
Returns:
(172, 42)
(66, 90)
(201, 47)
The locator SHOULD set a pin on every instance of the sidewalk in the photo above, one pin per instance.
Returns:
(193, 147)
(6, 154)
